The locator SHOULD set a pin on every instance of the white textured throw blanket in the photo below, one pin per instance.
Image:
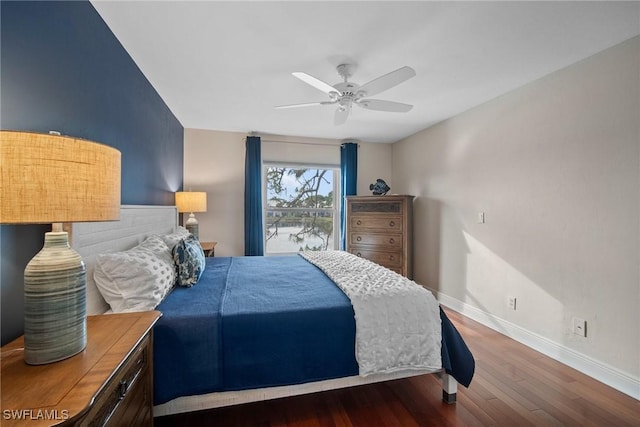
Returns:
(397, 320)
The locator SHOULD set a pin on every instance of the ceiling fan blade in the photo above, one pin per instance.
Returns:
(317, 83)
(306, 104)
(341, 115)
(387, 81)
(381, 105)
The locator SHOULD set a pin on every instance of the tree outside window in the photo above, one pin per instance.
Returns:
(300, 209)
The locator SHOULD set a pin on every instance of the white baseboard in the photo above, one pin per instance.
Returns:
(588, 366)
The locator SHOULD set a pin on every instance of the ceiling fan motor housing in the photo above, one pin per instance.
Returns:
(347, 88)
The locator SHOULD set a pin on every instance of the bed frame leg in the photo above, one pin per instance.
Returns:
(449, 388)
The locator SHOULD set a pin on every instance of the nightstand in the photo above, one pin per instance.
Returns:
(209, 248)
(109, 383)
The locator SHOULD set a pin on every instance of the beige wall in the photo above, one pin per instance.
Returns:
(555, 166)
(374, 161)
(277, 148)
(214, 162)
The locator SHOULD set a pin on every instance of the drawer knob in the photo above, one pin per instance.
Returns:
(358, 238)
(122, 389)
(359, 254)
(392, 241)
(358, 222)
(392, 223)
(391, 257)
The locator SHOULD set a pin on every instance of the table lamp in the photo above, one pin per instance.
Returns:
(191, 201)
(48, 178)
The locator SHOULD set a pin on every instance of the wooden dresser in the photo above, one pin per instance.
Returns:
(379, 228)
(109, 383)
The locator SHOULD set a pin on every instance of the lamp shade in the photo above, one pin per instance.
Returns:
(50, 178)
(191, 201)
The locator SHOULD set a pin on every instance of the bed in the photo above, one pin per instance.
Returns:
(253, 328)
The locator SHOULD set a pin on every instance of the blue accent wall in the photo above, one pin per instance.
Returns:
(63, 69)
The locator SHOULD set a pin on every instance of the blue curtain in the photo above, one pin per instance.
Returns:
(348, 183)
(253, 234)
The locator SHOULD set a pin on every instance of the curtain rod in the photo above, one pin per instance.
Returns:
(337, 144)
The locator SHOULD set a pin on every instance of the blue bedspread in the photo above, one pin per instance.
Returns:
(254, 322)
(187, 339)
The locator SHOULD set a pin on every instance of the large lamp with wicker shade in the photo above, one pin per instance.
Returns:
(191, 201)
(48, 178)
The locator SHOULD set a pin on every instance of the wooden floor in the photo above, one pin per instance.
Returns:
(513, 386)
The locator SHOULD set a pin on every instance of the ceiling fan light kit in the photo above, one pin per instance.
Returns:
(347, 93)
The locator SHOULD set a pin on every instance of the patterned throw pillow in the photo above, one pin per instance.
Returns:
(137, 279)
(189, 258)
(157, 245)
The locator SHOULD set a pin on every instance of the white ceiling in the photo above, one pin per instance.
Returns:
(225, 65)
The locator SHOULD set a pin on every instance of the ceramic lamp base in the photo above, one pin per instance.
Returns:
(192, 225)
(55, 313)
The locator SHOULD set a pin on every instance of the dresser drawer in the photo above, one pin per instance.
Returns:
(391, 260)
(378, 223)
(377, 206)
(126, 396)
(135, 410)
(389, 241)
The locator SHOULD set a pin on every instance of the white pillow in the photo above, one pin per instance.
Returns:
(137, 279)
(172, 239)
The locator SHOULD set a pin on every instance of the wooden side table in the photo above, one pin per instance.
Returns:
(209, 248)
(109, 383)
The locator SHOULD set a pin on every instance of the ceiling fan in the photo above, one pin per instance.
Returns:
(347, 93)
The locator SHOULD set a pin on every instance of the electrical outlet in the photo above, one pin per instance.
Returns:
(511, 303)
(579, 326)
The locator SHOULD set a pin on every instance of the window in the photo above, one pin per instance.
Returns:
(300, 207)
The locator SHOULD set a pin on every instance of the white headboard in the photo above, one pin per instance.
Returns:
(136, 223)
